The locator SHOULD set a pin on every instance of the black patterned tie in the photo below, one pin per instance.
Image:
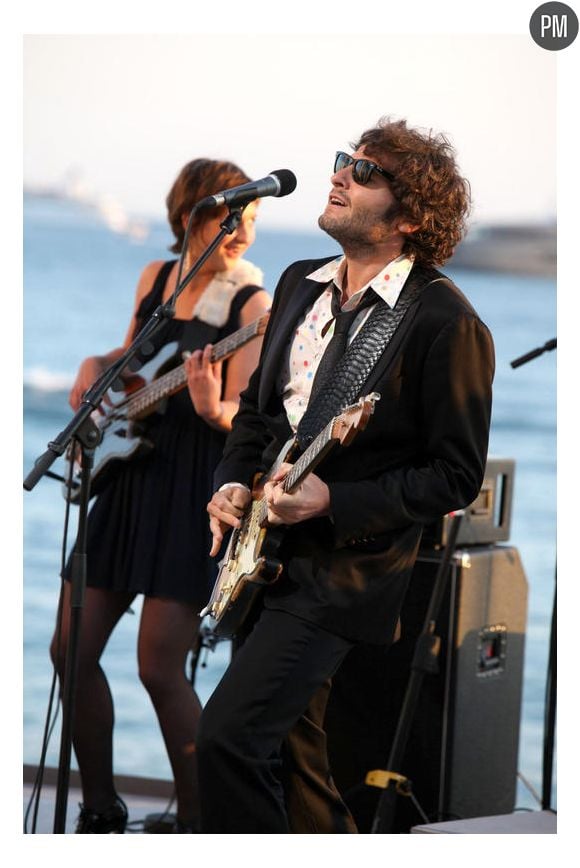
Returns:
(345, 381)
(338, 343)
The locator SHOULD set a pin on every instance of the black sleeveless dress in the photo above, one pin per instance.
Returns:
(148, 530)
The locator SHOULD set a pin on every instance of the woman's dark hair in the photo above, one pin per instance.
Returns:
(198, 179)
(429, 190)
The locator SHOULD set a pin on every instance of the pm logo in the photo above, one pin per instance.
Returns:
(554, 26)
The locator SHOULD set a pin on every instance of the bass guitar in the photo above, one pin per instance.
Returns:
(124, 434)
(249, 563)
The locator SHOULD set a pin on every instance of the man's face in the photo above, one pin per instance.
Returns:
(356, 215)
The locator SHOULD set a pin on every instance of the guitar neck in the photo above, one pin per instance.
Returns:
(310, 458)
(176, 379)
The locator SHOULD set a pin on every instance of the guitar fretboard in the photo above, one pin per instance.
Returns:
(317, 450)
(176, 379)
(308, 458)
(301, 467)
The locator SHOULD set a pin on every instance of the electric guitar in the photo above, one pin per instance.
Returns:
(250, 563)
(124, 434)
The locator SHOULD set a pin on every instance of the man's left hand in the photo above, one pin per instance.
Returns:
(310, 500)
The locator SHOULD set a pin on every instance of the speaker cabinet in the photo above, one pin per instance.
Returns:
(462, 749)
(486, 520)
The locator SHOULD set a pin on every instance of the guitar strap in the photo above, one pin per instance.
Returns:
(350, 374)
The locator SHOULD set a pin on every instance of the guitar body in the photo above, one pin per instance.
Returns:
(123, 439)
(123, 442)
(250, 562)
(124, 433)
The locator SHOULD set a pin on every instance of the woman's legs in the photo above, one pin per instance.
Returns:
(167, 633)
(94, 716)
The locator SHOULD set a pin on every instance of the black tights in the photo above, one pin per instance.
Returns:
(167, 632)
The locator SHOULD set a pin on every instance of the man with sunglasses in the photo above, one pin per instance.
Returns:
(381, 319)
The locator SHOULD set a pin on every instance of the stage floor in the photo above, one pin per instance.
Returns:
(146, 798)
(142, 796)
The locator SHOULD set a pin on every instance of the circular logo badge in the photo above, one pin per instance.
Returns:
(554, 26)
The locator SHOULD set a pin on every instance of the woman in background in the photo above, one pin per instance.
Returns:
(148, 530)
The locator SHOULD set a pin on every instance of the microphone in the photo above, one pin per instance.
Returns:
(278, 183)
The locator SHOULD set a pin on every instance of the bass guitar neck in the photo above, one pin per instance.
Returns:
(123, 434)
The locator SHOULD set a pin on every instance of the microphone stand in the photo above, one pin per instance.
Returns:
(551, 677)
(533, 354)
(550, 715)
(86, 436)
(424, 662)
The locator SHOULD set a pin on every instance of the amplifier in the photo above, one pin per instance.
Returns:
(462, 750)
(488, 518)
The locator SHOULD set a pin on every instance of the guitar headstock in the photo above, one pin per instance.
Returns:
(354, 418)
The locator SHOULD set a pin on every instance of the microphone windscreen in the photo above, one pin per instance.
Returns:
(287, 180)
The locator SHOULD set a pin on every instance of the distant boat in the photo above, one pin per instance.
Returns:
(117, 219)
(108, 209)
(516, 248)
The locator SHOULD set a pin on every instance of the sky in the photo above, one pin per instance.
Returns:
(121, 113)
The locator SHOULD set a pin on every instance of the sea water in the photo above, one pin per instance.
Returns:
(79, 280)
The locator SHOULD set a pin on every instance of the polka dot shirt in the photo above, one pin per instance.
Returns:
(308, 342)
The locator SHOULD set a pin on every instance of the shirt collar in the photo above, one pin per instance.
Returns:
(387, 284)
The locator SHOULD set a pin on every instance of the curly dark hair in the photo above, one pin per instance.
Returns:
(198, 179)
(429, 190)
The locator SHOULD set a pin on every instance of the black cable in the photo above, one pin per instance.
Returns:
(49, 726)
(37, 785)
(418, 807)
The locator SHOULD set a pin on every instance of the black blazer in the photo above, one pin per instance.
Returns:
(422, 455)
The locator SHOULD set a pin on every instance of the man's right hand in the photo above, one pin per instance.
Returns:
(225, 509)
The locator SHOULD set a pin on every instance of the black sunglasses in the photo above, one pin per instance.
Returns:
(362, 170)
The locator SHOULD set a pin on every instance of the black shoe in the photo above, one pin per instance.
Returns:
(111, 821)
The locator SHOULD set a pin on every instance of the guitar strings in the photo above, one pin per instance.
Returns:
(149, 394)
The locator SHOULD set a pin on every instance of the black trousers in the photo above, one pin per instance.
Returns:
(260, 745)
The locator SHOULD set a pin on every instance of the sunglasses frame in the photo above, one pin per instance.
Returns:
(357, 162)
